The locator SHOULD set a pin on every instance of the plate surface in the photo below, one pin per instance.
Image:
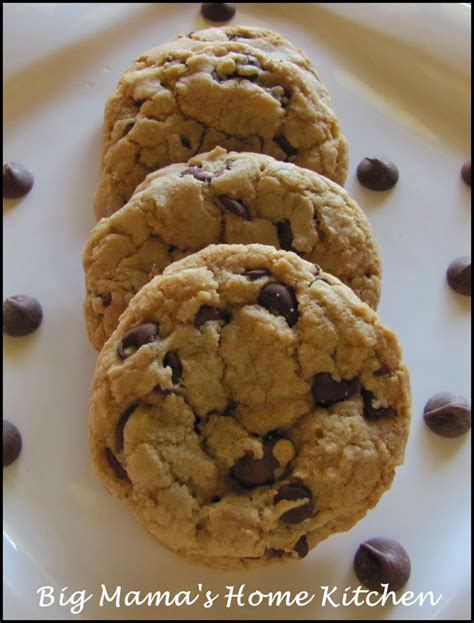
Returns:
(396, 97)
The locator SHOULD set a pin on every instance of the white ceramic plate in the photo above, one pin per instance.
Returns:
(405, 96)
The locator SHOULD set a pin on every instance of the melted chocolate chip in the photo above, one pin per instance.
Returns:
(185, 142)
(215, 499)
(370, 412)
(383, 371)
(466, 172)
(382, 561)
(285, 235)
(116, 465)
(172, 360)
(234, 206)
(197, 421)
(377, 174)
(459, 275)
(207, 313)
(11, 443)
(301, 547)
(218, 11)
(296, 491)
(136, 337)
(251, 472)
(160, 391)
(327, 391)
(199, 174)
(256, 273)
(17, 180)
(280, 299)
(22, 315)
(284, 145)
(447, 414)
(121, 425)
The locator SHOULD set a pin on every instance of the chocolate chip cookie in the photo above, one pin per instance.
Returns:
(231, 198)
(248, 406)
(245, 89)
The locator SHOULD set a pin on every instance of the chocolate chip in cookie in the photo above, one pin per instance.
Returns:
(327, 391)
(285, 145)
(285, 235)
(173, 361)
(371, 412)
(136, 337)
(236, 207)
(296, 491)
(256, 273)
(280, 299)
(301, 547)
(116, 465)
(198, 173)
(252, 472)
(207, 313)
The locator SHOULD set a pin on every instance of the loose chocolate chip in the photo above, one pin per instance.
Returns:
(377, 174)
(370, 412)
(252, 472)
(281, 300)
(466, 172)
(230, 409)
(172, 360)
(185, 142)
(278, 553)
(459, 275)
(22, 315)
(296, 491)
(11, 443)
(283, 143)
(256, 273)
(301, 547)
(285, 235)
(121, 425)
(115, 464)
(327, 391)
(106, 299)
(17, 180)
(447, 414)
(206, 313)
(382, 561)
(218, 11)
(234, 206)
(136, 337)
(199, 174)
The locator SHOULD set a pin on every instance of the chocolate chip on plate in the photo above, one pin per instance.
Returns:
(207, 313)
(218, 11)
(281, 300)
(301, 547)
(236, 207)
(136, 337)
(296, 491)
(382, 561)
(17, 180)
(11, 443)
(327, 391)
(377, 174)
(22, 315)
(172, 360)
(447, 414)
(466, 172)
(285, 235)
(459, 275)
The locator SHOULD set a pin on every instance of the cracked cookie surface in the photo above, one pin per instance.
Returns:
(248, 406)
(245, 89)
(228, 198)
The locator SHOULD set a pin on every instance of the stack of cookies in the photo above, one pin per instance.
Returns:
(247, 402)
